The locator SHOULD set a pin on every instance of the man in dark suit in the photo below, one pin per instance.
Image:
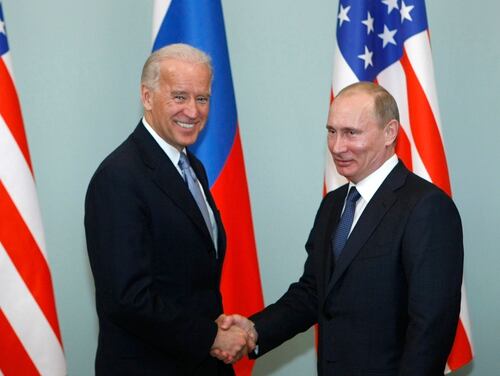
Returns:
(387, 299)
(154, 235)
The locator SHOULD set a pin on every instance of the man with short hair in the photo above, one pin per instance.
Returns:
(155, 238)
(385, 257)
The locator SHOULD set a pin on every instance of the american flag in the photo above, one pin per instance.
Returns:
(30, 339)
(387, 41)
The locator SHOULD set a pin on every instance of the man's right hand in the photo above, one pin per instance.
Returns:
(229, 324)
(230, 344)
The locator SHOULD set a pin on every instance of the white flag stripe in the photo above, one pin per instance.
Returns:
(28, 321)
(8, 63)
(332, 178)
(419, 166)
(18, 180)
(464, 316)
(159, 11)
(342, 72)
(418, 50)
(393, 79)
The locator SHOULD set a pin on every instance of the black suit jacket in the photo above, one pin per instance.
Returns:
(154, 265)
(391, 305)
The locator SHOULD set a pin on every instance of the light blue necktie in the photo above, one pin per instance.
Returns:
(194, 188)
(345, 223)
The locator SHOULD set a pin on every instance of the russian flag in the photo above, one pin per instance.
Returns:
(200, 23)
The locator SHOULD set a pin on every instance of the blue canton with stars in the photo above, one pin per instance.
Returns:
(4, 46)
(371, 33)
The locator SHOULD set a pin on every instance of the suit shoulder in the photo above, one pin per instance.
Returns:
(336, 194)
(121, 163)
(421, 187)
(198, 166)
(195, 162)
(421, 193)
(340, 191)
(332, 197)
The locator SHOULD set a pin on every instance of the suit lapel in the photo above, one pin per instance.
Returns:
(167, 178)
(202, 177)
(376, 209)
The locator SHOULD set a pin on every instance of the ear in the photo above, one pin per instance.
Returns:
(146, 97)
(391, 132)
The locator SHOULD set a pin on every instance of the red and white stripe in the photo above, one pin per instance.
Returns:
(30, 339)
(411, 81)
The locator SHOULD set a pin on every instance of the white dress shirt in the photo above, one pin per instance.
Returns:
(174, 155)
(369, 185)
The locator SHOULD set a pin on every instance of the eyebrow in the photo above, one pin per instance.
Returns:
(184, 92)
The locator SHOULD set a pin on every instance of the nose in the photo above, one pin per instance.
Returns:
(336, 144)
(191, 109)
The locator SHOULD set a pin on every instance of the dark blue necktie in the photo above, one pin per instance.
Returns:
(194, 188)
(345, 223)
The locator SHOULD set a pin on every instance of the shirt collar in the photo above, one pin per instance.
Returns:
(369, 185)
(171, 151)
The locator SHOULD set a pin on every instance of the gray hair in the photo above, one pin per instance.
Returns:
(179, 51)
(384, 105)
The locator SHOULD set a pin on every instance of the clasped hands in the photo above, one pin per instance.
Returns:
(236, 337)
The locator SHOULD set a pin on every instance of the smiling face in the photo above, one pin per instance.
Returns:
(177, 108)
(359, 144)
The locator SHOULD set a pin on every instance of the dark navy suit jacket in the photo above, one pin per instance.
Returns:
(154, 265)
(390, 305)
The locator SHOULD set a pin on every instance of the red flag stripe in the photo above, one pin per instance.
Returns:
(425, 130)
(17, 179)
(10, 110)
(418, 51)
(461, 352)
(403, 149)
(28, 321)
(14, 359)
(27, 258)
(232, 183)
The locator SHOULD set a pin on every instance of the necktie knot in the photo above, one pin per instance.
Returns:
(186, 167)
(353, 195)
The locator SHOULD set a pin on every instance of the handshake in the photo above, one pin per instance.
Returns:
(236, 337)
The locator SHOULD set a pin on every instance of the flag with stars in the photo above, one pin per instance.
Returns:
(30, 339)
(387, 41)
(200, 23)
